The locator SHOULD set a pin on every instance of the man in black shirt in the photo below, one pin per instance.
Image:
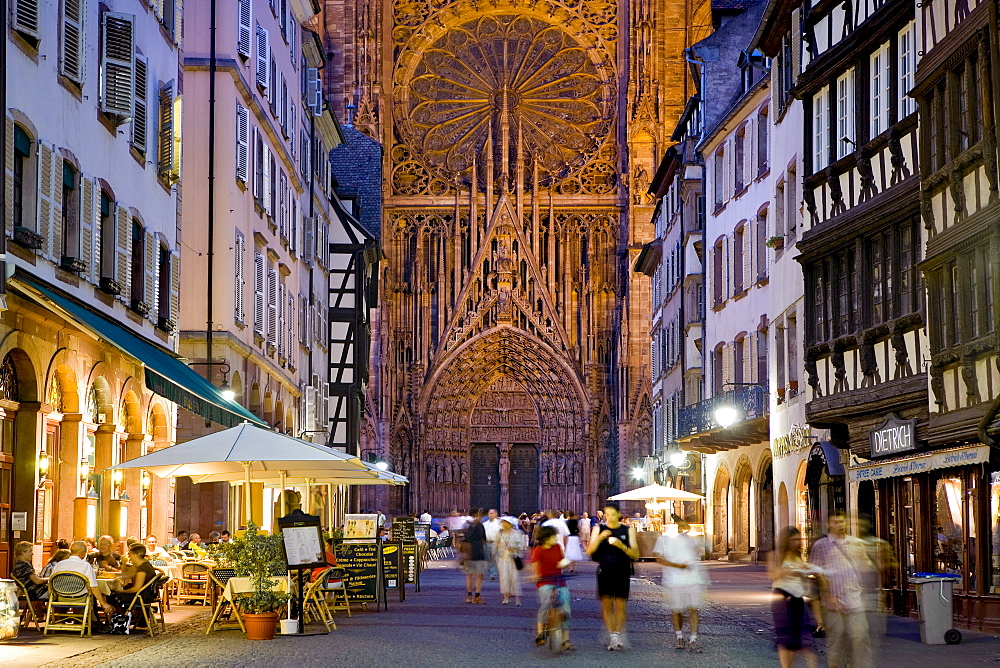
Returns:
(106, 557)
(474, 560)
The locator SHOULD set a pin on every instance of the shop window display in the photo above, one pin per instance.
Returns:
(954, 536)
(995, 533)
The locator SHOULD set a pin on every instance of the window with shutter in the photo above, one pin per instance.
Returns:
(137, 264)
(118, 65)
(292, 129)
(272, 203)
(165, 134)
(239, 282)
(258, 165)
(279, 307)
(821, 129)
(49, 200)
(266, 179)
(274, 90)
(89, 211)
(290, 319)
(151, 275)
(163, 276)
(244, 18)
(263, 59)
(846, 141)
(123, 253)
(71, 52)
(906, 50)
(879, 91)
(272, 306)
(258, 293)
(312, 86)
(175, 288)
(242, 143)
(139, 118)
(283, 107)
(24, 19)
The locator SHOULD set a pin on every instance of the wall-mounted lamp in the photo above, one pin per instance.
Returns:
(228, 393)
(116, 477)
(43, 465)
(146, 481)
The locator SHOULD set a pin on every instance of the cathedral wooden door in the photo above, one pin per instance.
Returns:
(523, 479)
(485, 477)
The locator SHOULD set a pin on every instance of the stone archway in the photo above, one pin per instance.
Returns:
(720, 512)
(765, 506)
(742, 507)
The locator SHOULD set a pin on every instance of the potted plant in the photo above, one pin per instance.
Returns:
(777, 243)
(257, 556)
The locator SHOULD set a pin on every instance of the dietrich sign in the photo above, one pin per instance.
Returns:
(893, 436)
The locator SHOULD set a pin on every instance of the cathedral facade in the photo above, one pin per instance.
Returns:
(511, 345)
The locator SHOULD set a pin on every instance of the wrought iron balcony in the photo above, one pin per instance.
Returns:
(750, 401)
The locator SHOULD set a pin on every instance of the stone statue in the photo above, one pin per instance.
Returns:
(447, 470)
(577, 471)
(561, 470)
(504, 469)
(464, 467)
(429, 467)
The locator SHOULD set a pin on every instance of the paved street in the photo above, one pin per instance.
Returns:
(435, 627)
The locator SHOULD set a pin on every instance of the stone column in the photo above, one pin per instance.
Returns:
(504, 477)
(64, 468)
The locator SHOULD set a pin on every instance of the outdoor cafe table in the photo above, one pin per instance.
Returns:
(283, 584)
(108, 585)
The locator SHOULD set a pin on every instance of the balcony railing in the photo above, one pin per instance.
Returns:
(751, 401)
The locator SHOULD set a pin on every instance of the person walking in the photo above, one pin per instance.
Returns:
(548, 560)
(684, 582)
(613, 546)
(509, 551)
(790, 582)
(492, 526)
(844, 560)
(474, 561)
(573, 550)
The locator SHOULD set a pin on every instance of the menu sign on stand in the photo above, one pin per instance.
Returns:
(421, 531)
(402, 529)
(411, 565)
(302, 541)
(362, 566)
(360, 526)
(392, 567)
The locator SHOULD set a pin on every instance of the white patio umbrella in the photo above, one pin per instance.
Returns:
(250, 453)
(656, 492)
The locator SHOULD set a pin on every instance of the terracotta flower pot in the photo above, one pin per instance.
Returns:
(261, 627)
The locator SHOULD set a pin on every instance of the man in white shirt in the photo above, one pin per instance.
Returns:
(684, 581)
(154, 551)
(455, 521)
(77, 563)
(425, 517)
(559, 524)
(492, 526)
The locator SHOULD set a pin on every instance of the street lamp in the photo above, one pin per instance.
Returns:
(228, 393)
(678, 458)
(381, 465)
(638, 473)
(726, 415)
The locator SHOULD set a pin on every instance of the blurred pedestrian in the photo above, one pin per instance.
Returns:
(573, 550)
(790, 580)
(613, 546)
(843, 559)
(492, 526)
(684, 582)
(474, 561)
(509, 556)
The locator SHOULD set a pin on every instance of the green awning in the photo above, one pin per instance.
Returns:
(165, 374)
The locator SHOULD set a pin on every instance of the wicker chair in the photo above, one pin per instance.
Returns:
(71, 605)
(194, 583)
(224, 610)
(147, 609)
(336, 592)
(29, 606)
(314, 602)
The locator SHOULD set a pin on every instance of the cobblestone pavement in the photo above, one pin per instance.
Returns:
(436, 628)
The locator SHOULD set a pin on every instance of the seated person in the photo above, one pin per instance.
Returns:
(76, 563)
(154, 551)
(56, 557)
(331, 560)
(444, 533)
(225, 537)
(213, 538)
(24, 571)
(140, 574)
(181, 541)
(106, 558)
(194, 545)
(130, 541)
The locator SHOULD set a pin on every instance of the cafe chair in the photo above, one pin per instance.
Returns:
(446, 546)
(146, 608)
(71, 605)
(28, 614)
(168, 581)
(336, 592)
(314, 602)
(224, 610)
(194, 583)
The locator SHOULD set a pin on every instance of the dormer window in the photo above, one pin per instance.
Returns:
(753, 66)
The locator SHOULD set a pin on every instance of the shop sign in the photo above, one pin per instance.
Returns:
(920, 464)
(796, 440)
(893, 436)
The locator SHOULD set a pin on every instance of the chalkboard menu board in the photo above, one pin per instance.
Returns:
(402, 529)
(421, 531)
(362, 570)
(390, 564)
(410, 564)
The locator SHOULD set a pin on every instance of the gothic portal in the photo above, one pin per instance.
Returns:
(519, 136)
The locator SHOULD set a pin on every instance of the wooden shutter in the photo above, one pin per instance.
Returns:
(177, 30)
(118, 65)
(292, 126)
(8, 182)
(175, 287)
(283, 205)
(123, 249)
(796, 45)
(258, 293)
(49, 199)
(140, 118)
(290, 324)
(242, 143)
(149, 274)
(312, 87)
(165, 152)
(266, 194)
(244, 18)
(24, 17)
(90, 204)
(279, 306)
(72, 55)
(257, 164)
(238, 259)
(263, 78)
(272, 306)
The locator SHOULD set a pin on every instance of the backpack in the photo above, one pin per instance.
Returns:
(120, 624)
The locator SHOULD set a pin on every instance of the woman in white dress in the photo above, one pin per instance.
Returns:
(574, 549)
(509, 544)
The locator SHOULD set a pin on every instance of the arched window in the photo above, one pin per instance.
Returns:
(163, 285)
(718, 290)
(22, 203)
(71, 218)
(136, 287)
